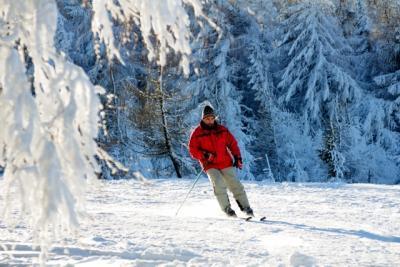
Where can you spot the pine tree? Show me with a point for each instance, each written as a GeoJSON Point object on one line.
{"type": "Point", "coordinates": [358, 29]}
{"type": "Point", "coordinates": [374, 138]}
{"type": "Point", "coordinates": [74, 36]}
{"type": "Point", "coordinates": [261, 83]}
{"type": "Point", "coordinates": [376, 144]}
{"type": "Point", "coordinates": [314, 81]}
{"type": "Point", "coordinates": [390, 83]}
{"type": "Point", "coordinates": [315, 73]}
{"type": "Point", "coordinates": [298, 160]}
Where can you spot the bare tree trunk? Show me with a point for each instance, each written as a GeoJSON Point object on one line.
{"type": "Point", "coordinates": [117, 106]}
{"type": "Point", "coordinates": [166, 133]}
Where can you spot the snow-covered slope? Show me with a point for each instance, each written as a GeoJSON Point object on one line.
{"type": "Point", "coordinates": [134, 224]}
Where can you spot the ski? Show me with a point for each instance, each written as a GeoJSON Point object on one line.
{"type": "Point", "coordinates": [261, 219]}
{"type": "Point", "coordinates": [252, 218]}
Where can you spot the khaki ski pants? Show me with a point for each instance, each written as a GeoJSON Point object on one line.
{"type": "Point", "coordinates": [221, 179]}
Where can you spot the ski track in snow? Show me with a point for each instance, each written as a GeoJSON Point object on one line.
{"type": "Point", "coordinates": [134, 224]}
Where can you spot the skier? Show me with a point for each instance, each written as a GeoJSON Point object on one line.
{"type": "Point", "coordinates": [214, 146]}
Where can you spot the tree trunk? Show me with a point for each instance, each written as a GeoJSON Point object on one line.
{"type": "Point", "coordinates": [167, 138]}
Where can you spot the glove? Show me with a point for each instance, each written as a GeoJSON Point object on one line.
{"type": "Point", "coordinates": [238, 162]}
{"type": "Point", "coordinates": [209, 157]}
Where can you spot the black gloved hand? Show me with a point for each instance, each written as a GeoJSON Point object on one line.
{"type": "Point", "coordinates": [209, 157]}
{"type": "Point", "coordinates": [238, 163]}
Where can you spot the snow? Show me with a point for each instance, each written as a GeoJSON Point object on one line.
{"type": "Point", "coordinates": [133, 224]}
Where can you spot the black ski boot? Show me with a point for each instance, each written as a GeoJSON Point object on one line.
{"type": "Point", "coordinates": [230, 212]}
{"type": "Point", "coordinates": [248, 211]}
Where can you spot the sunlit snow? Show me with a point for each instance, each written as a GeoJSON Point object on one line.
{"type": "Point", "coordinates": [134, 224]}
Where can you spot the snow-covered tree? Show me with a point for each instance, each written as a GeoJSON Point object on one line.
{"type": "Point", "coordinates": [375, 144]}
{"type": "Point", "coordinates": [297, 156]}
{"type": "Point", "coordinates": [73, 34]}
{"type": "Point", "coordinates": [314, 80]}
{"type": "Point", "coordinates": [357, 28]}
{"type": "Point", "coordinates": [375, 112]}
{"type": "Point", "coordinates": [228, 107]}
{"type": "Point", "coordinates": [315, 73]}
{"type": "Point", "coordinates": [261, 83]}
{"type": "Point", "coordinates": [391, 83]}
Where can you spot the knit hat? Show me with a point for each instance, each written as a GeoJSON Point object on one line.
{"type": "Point", "coordinates": [208, 111]}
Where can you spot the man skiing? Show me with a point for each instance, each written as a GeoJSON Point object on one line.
{"type": "Point", "coordinates": [214, 146]}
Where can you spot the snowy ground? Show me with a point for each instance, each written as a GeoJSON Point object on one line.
{"type": "Point", "coordinates": [307, 225]}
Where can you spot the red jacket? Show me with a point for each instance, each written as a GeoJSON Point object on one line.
{"type": "Point", "coordinates": [216, 140]}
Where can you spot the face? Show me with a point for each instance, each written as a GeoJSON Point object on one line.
{"type": "Point", "coordinates": [209, 120]}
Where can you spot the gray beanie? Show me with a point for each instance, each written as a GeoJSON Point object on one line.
{"type": "Point", "coordinates": [207, 111]}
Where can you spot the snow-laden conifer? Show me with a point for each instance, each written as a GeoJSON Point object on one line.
{"type": "Point", "coordinates": [260, 81]}
{"type": "Point", "coordinates": [391, 83]}
{"type": "Point", "coordinates": [315, 73]}
{"type": "Point", "coordinates": [315, 81]}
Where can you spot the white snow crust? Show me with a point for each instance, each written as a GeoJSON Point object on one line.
{"type": "Point", "coordinates": [133, 224]}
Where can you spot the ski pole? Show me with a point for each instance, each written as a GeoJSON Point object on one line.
{"type": "Point", "coordinates": [187, 195]}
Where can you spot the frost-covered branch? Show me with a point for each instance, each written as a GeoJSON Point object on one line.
{"type": "Point", "coordinates": [167, 20]}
